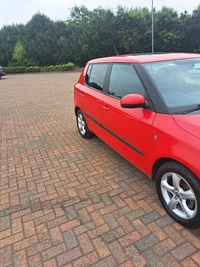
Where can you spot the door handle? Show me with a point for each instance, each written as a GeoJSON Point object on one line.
{"type": "Point", "coordinates": [106, 108]}
{"type": "Point", "coordinates": [82, 95]}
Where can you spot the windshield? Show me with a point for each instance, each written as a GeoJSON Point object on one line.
{"type": "Point", "coordinates": [178, 82]}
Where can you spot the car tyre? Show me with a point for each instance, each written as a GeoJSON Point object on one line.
{"type": "Point", "coordinates": [82, 125]}
{"type": "Point", "coordinates": [179, 192]}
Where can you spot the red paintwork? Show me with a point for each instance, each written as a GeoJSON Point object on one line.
{"type": "Point", "coordinates": [156, 135]}
{"type": "Point", "coordinates": [133, 99]}
{"type": "Point", "coordinates": [145, 58]}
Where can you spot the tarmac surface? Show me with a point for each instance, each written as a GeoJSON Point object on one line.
{"type": "Point", "coordinates": [67, 201]}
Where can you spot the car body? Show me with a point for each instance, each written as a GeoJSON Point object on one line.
{"type": "Point", "coordinates": [147, 108]}
{"type": "Point", "coordinates": [2, 72]}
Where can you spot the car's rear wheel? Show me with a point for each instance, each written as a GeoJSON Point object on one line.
{"type": "Point", "coordinates": [179, 192]}
{"type": "Point", "coordinates": [82, 125]}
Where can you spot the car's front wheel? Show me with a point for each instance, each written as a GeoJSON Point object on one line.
{"type": "Point", "coordinates": [82, 125]}
{"type": "Point", "coordinates": [179, 192]}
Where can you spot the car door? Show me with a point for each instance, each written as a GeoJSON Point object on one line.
{"type": "Point", "coordinates": [91, 95]}
{"type": "Point", "coordinates": [127, 129]}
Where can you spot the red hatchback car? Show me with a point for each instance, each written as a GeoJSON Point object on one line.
{"type": "Point", "coordinates": [147, 108]}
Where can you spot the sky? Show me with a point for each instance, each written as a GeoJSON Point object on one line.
{"type": "Point", "coordinates": [21, 11]}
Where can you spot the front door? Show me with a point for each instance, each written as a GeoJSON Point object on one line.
{"type": "Point", "coordinates": [127, 130]}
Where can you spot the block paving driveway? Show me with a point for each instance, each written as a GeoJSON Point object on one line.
{"type": "Point", "coordinates": [66, 201]}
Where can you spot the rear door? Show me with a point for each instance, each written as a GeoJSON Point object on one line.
{"type": "Point", "coordinates": [127, 130]}
{"type": "Point", "coordinates": [91, 95]}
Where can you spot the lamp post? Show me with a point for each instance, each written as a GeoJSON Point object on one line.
{"type": "Point", "coordinates": [152, 29]}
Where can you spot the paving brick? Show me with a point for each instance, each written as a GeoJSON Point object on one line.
{"type": "Point", "coordinates": [117, 252]}
{"type": "Point", "coordinates": [86, 260]}
{"type": "Point", "coordinates": [84, 228]}
{"type": "Point", "coordinates": [11, 239]}
{"type": "Point", "coordinates": [56, 235]}
{"type": "Point", "coordinates": [85, 243]}
{"type": "Point", "coordinates": [146, 242]}
{"type": "Point", "coordinates": [114, 234]}
{"type": "Point", "coordinates": [97, 218]}
{"type": "Point", "coordinates": [157, 231]}
{"type": "Point", "coordinates": [35, 261]}
{"type": "Point", "coordinates": [140, 227]}
{"type": "Point", "coordinates": [188, 263]}
{"type": "Point", "coordinates": [196, 258]}
{"type": "Point", "coordinates": [191, 238]}
{"type": "Point", "coordinates": [6, 256]}
{"type": "Point", "coordinates": [24, 243]}
{"type": "Point", "coordinates": [70, 225]}
{"type": "Point", "coordinates": [53, 252]}
{"type": "Point", "coordinates": [101, 247]}
{"type": "Point", "coordinates": [125, 224]}
{"type": "Point", "coordinates": [69, 256]}
{"type": "Point", "coordinates": [111, 221]}
{"type": "Point", "coordinates": [20, 259]}
{"type": "Point", "coordinates": [163, 247]}
{"type": "Point", "coordinates": [70, 239]}
{"type": "Point", "coordinates": [169, 260]}
{"type": "Point", "coordinates": [42, 232]}
{"type": "Point", "coordinates": [183, 251]}
{"type": "Point", "coordinates": [71, 213]}
{"type": "Point", "coordinates": [83, 215]}
{"type": "Point", "coordinates": [50, 263]}
{"type": "Point", "coordinates": [174, 235]}
{"type": "Point", "coordinates": [129, 239]}
{"type": "Point", "coordinates": [152, 259]}
{"type": "Point", "coordinates": [98, 231]}
{"type": "Point", "coordinates": [5, 223]}
{"type": "Point", "coordinates": [136, 258]}
{"type": "Point", "coordinates": [108, 262]}
{"type": "Point", "coordinates": [17, 226]}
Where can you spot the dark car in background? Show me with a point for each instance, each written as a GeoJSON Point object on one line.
{"type": "Point", "coordinates": [2, 72]}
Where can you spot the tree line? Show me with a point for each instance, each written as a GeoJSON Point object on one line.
{"type": "Point", "coordinates": [98, 33]}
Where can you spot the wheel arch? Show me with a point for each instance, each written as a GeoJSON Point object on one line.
{"type": "Point", "coordinates": [76, 109]}
{"type": "Point", "coordinates": [159, 162]}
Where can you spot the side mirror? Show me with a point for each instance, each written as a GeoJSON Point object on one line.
{"type": "Point", "coordinates": [133, 101]}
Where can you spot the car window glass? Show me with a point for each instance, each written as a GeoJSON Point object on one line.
{"type": "Point", "coordinates": [88, 74]}
{"type": "Point", "coordinates": [97, 76]}
{"type": "Point", "coordinates": [177, 81]}
{"type": "Point", "coordinates": [124, 81]}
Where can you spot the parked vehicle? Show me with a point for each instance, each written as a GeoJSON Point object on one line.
{"type": "Point", "coordinates": [2, 73]}
{"type": "Point", "coordinates": [147, 108]}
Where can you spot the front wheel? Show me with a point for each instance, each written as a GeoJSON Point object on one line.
{"type": "Point", "coordinates": [179, 192]}
{"type": "Point", "coordinates": [82, 125]}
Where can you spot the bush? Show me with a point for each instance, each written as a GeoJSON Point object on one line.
{"type": "Point", "coordinates": [68, 66]}
{"type": "Point", "coordinates": [49, 68]}
{"type": "Point", "coordinates": [19, 69]}
{"type": "Point", "coordinates": [32, 69]}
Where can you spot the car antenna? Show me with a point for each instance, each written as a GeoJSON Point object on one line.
{"type": "Point", "coordinates": [116, 50]}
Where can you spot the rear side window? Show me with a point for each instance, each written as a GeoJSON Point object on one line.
{"type": "Point", "coordinates": [124, 81]}
{"type": "Point", "coordinates": [95, 76]}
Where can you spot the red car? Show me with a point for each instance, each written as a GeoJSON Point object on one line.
{"type": "Point", "coordinates": [147, 108]}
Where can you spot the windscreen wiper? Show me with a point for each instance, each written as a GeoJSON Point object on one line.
{"type": "Point", "coordinates": [192, 109]}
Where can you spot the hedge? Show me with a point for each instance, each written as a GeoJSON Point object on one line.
{"type": "Point", "coordinates": [21, 69]}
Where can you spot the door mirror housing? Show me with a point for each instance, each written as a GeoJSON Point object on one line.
{"type": "Point", "coordinates": [133, 101]}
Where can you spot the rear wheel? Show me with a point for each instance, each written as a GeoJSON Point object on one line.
{"type": "Point", "coordinates": [179, 192]}
{"type": "Point", "coordinates": [82, 125]}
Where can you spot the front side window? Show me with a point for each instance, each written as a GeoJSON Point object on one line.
{"type": "Point", "coordinates": [96, 76]}
{"type": "Point", "coordinates": [124, 81]}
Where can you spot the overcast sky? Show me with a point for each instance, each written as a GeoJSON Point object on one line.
{"type": "Point", "coordinates": [21, 11]}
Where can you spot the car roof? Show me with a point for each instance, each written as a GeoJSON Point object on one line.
{"type": "Point", "coordinates": [145, 58]}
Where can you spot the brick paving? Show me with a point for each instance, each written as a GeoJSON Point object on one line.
{"type": "Point", "coordinates": [66, 201]}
